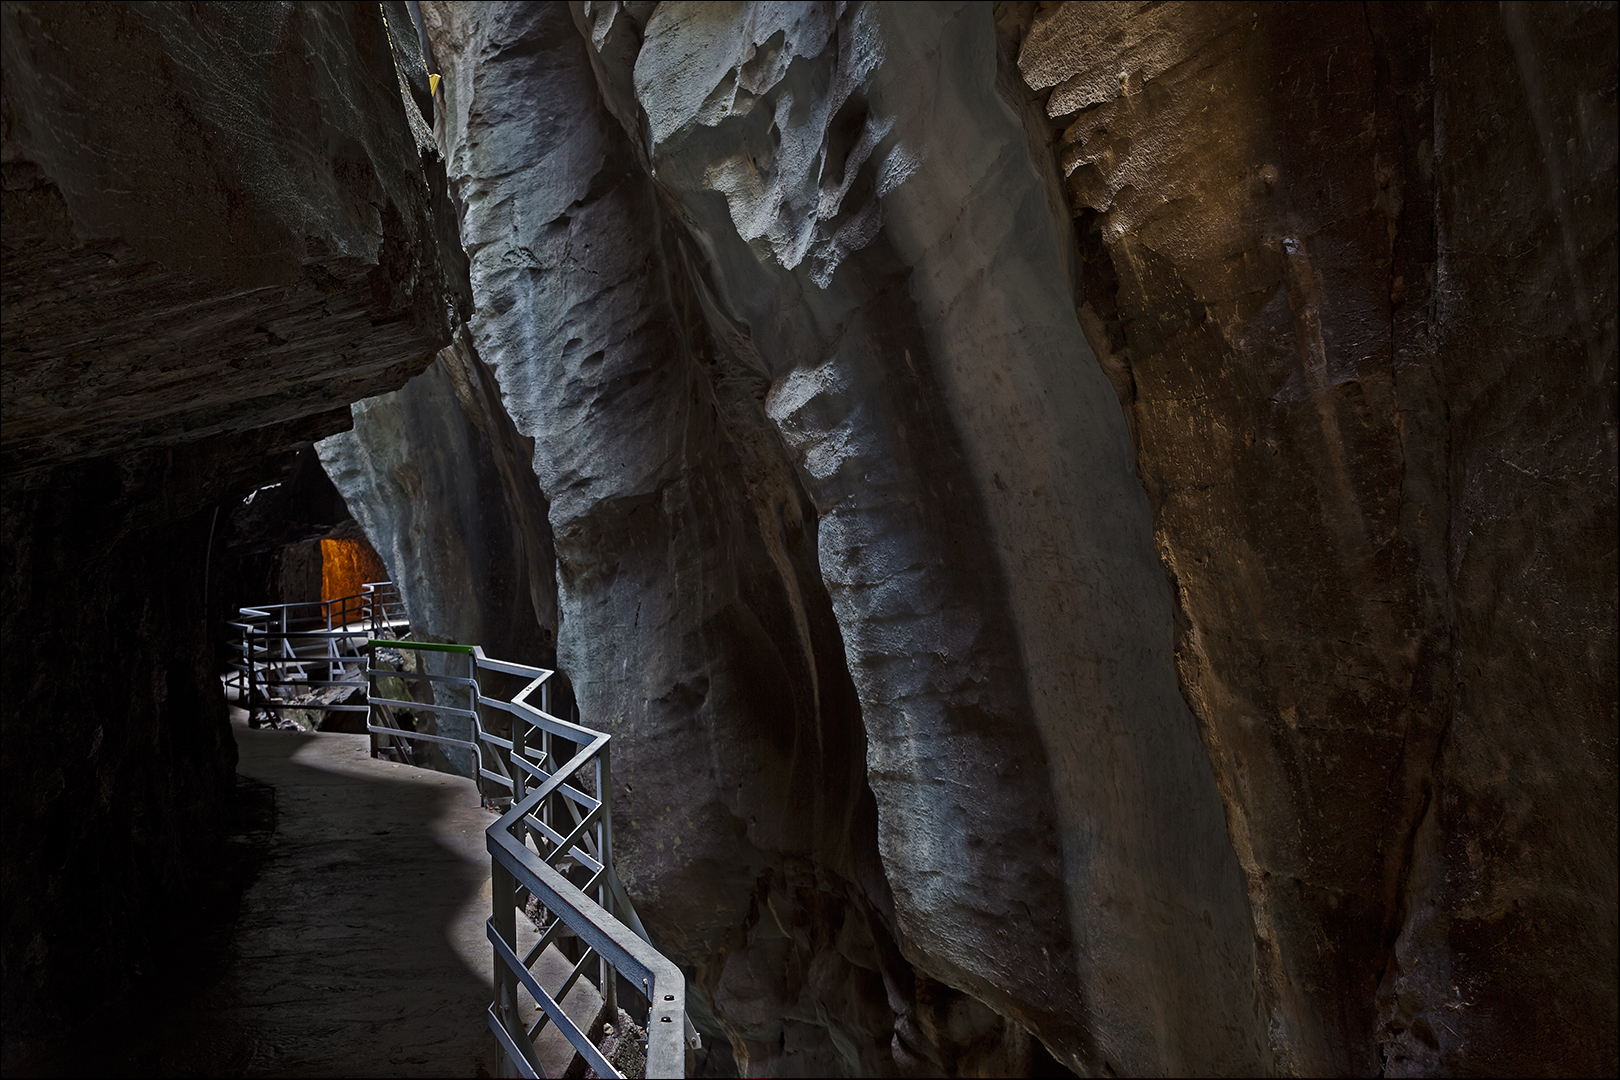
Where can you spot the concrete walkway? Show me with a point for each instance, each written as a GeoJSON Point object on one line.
{"type": "Point", "coordinates": [356, 949]}
{"type": "Point", "coordinates": [360, 948]}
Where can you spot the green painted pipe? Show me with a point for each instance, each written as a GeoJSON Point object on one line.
{"type": "Point", "coordinates": [425, 646]}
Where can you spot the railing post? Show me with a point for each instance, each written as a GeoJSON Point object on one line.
{"type": "Point", "coordinates": [545, 747]}
{"type": "Point", "coordinates": [472, 707]}
{"type": "Point", "coordinates": [332, 667]}
{"type": "Point", "coordinates": [609, 982]}
{"type": "Point", "coordinates": [247, 639]}
{"type": "Point", "coordinates": [371, 676]}
{"type": "Point", "coordinates": [520, 775]}
{"type": "Point", "coordinates": [503, 888]}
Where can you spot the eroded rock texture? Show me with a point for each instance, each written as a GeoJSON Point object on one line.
{"type": "Point", "coordinates": [1354, 273]}
{"type": "Point", "coordinates": [222, 223]}
{"type": "Point", "coordinates": [789, 496]}
{"type": "Point", "coordinates": [1094, 524]}
{"type": "Point", "coordinates": [441, 483]}
{"type": "Point", "coordinates": [1045, 813]}
{"type": "Point", "coordinates": [692, 617]}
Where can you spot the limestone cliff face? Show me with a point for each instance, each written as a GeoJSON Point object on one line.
{"type": "Point", "coordinates": [692, 619]}
{"type": "Point", "coordinates": [440, 481]}
{"type": "Point", "coordinates": [874, 234]}
{"type": "Point", "coordinates": [881, 620]}
{"type": "Point", "coordinates": [1094, 525]}
{"type": "Point", "coordinates": [222, 224]}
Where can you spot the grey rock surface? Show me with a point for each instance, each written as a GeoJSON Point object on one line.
{"type": "Point", "coordinates": [440, 482]}
{"type": "Point", "coordinates": [642, 336]}
{"type": "Point", "coordinates": [1093, 525]}
{"type": "Point", "coordinates": [1046, 814]}
{"type": "Point", "coordinates": [216, 218]}
{"type": "Point", "coordinates": [692, 620]}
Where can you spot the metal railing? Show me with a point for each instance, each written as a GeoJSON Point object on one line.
{"type": "Point", "coordinates": [394, 709]}
{"type": "Point", "coordinates": [285, 651]}
{"type": "Point", "coordinates": [553, 845]}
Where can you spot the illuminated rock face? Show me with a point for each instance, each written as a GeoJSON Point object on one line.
{"type": "Point", "coordinates": [1094, 525]}
{"type": "Point", "coordinates": [959, 705]}
{"type": "Point", "coordinates": [850, 552]}
{"type": "Point", "coordinates": [347, 564]}
{"type": "Point", "coordinates": [222, 224]}
{"type": "Point", "coordinates": [814, 297]}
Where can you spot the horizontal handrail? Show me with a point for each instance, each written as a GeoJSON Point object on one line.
{"type": "Point", "coordinates": [623, 946]}
{"type": "Point", "coordinates": [422, 646]}
{"type": "Point", "coordinates": [588, 841]}
{"type": "Point", "coordinates": [658, 977]}
{"type": "Point", "coordinates": [279, 646]}
{"type": "Point", "coordinates": [550, 828]}
{"type": "Point", "coordinates": [422, 676]}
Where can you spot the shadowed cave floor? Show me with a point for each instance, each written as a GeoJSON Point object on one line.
{"type": "Point", "coordinates": [343, 936]}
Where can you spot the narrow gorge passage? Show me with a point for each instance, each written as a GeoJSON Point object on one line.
{"type": "Point", "coordinates": [1092, 527]}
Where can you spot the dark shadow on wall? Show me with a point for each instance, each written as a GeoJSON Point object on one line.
{"type": "Point", "coordinates": [116, 755]}
{"type": "Point", "coordinates": [153, 1031]}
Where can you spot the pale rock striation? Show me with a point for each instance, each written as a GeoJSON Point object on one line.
{"type": "Point", "coordinates": [1046, 814]}
{"type": "Point", "coordinates": [692, 620]}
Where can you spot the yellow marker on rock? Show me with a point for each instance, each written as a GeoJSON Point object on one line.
{"type": "Point", "coordinates": [433, 83]}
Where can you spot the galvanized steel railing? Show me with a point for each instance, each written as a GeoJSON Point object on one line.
{"type": "Point", "coordinates": [288, 647]}
{"type": "Point", "coordinates": [394, 734]}
{"type": "Point", "coordinates": [553, 844]}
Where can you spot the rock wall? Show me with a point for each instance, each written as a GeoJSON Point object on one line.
{"type": "Point", "coordinates": [1094, 525]}
{"type": "Point", "coordinates": [242, 197]}
{"type": "Point", "coordinates": [1045, 810]}
{"type": "Point", "coordinates": [692, 619]}
{"type": "Point", "coordinates": [440, 482]}
{"type": "Point", "coordinates": [723, 524]}
{"type": "Point", "coordinates": [221, 224]}
{"type": "Point", "coordinates": [1354, 275]}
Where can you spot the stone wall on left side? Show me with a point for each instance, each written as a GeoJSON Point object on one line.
{"type": "Point", "coordinates": [221, 225]}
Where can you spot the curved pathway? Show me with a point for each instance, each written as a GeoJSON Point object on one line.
{"type": "Point", "coordinates": [360, 947]}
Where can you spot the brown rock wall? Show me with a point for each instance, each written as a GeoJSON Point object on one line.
{"type": "Point", "coordinates": [218, 217]}
{"type": "Point", "coordinates": [1343, 266]}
